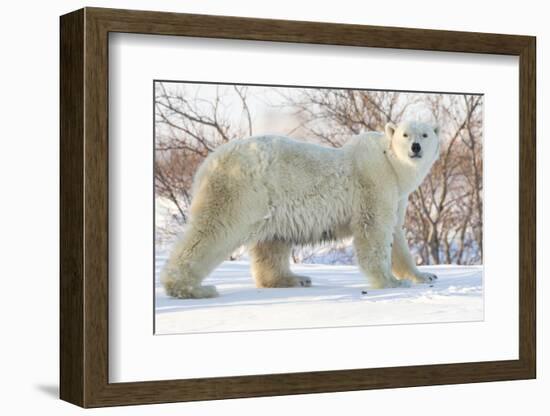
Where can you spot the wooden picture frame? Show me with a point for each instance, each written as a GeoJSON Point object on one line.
{"type": "Point", "coordinates": [84, 207]}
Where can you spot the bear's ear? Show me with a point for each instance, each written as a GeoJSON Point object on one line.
{"type": "Point", "coordinates": [436, 130]}
{"type": "Point", "coordinates": [390, 129]}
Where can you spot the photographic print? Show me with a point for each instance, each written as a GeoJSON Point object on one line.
{"type": "Point", "coordinates": [306, 192]}
{"type": "Point", "coordinates": [294, 207]}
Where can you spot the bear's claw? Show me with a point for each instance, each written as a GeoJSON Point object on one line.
{"type": "Point", "coordinates": [425, 278]}
{"type": "Point", "coordinates": [183, 291]}
{"type": "Point", "coordinates": [303, 281]}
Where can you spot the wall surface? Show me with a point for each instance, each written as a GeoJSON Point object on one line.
{"type": "Point", "coordinates": [29, 209]}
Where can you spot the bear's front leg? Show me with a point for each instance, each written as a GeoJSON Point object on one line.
{"type": "Point", "coordinates": [372, 244]}
{"type": "Point", "coordinates": [403, 265]}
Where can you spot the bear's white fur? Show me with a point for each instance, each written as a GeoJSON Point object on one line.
{"type": "Point", "coordinates": [272, 192]}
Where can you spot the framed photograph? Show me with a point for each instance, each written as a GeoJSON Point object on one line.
{"type": "Point", "coordinates": [255, 207]}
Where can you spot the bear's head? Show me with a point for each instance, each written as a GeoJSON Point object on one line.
{"type": "Point", "coordinates": [414, 143]}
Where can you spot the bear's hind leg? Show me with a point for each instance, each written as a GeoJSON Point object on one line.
{"type": "Point", "coordinates": [201, 249]}
{"type": "Point", "coordinates": [271, 268]}
{"type": "Point", "coordinates": [221, 220]}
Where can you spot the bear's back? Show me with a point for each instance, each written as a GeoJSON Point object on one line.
{"type": "Point", "coordinates": [271, 156]}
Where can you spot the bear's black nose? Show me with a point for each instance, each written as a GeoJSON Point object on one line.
{"type": "Point", "coordinates": [415, 147]}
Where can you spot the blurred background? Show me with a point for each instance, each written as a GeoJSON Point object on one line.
{"type": "Point", "coordinates": [444, 223]}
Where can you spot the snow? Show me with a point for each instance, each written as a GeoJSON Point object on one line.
{"type": "Point", "coordinates": [336, 299]}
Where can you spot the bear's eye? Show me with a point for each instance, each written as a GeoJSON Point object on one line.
{"type": "Point", "coordinates": [405, 135]}
{"type": "Point", "coordinates": [424, 135]}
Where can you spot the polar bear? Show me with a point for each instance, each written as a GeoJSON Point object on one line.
{"type": "Point", "coordinates": [273, 192]}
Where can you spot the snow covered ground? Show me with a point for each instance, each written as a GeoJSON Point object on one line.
{"type": "Point", "coordinates": [336, 299]}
